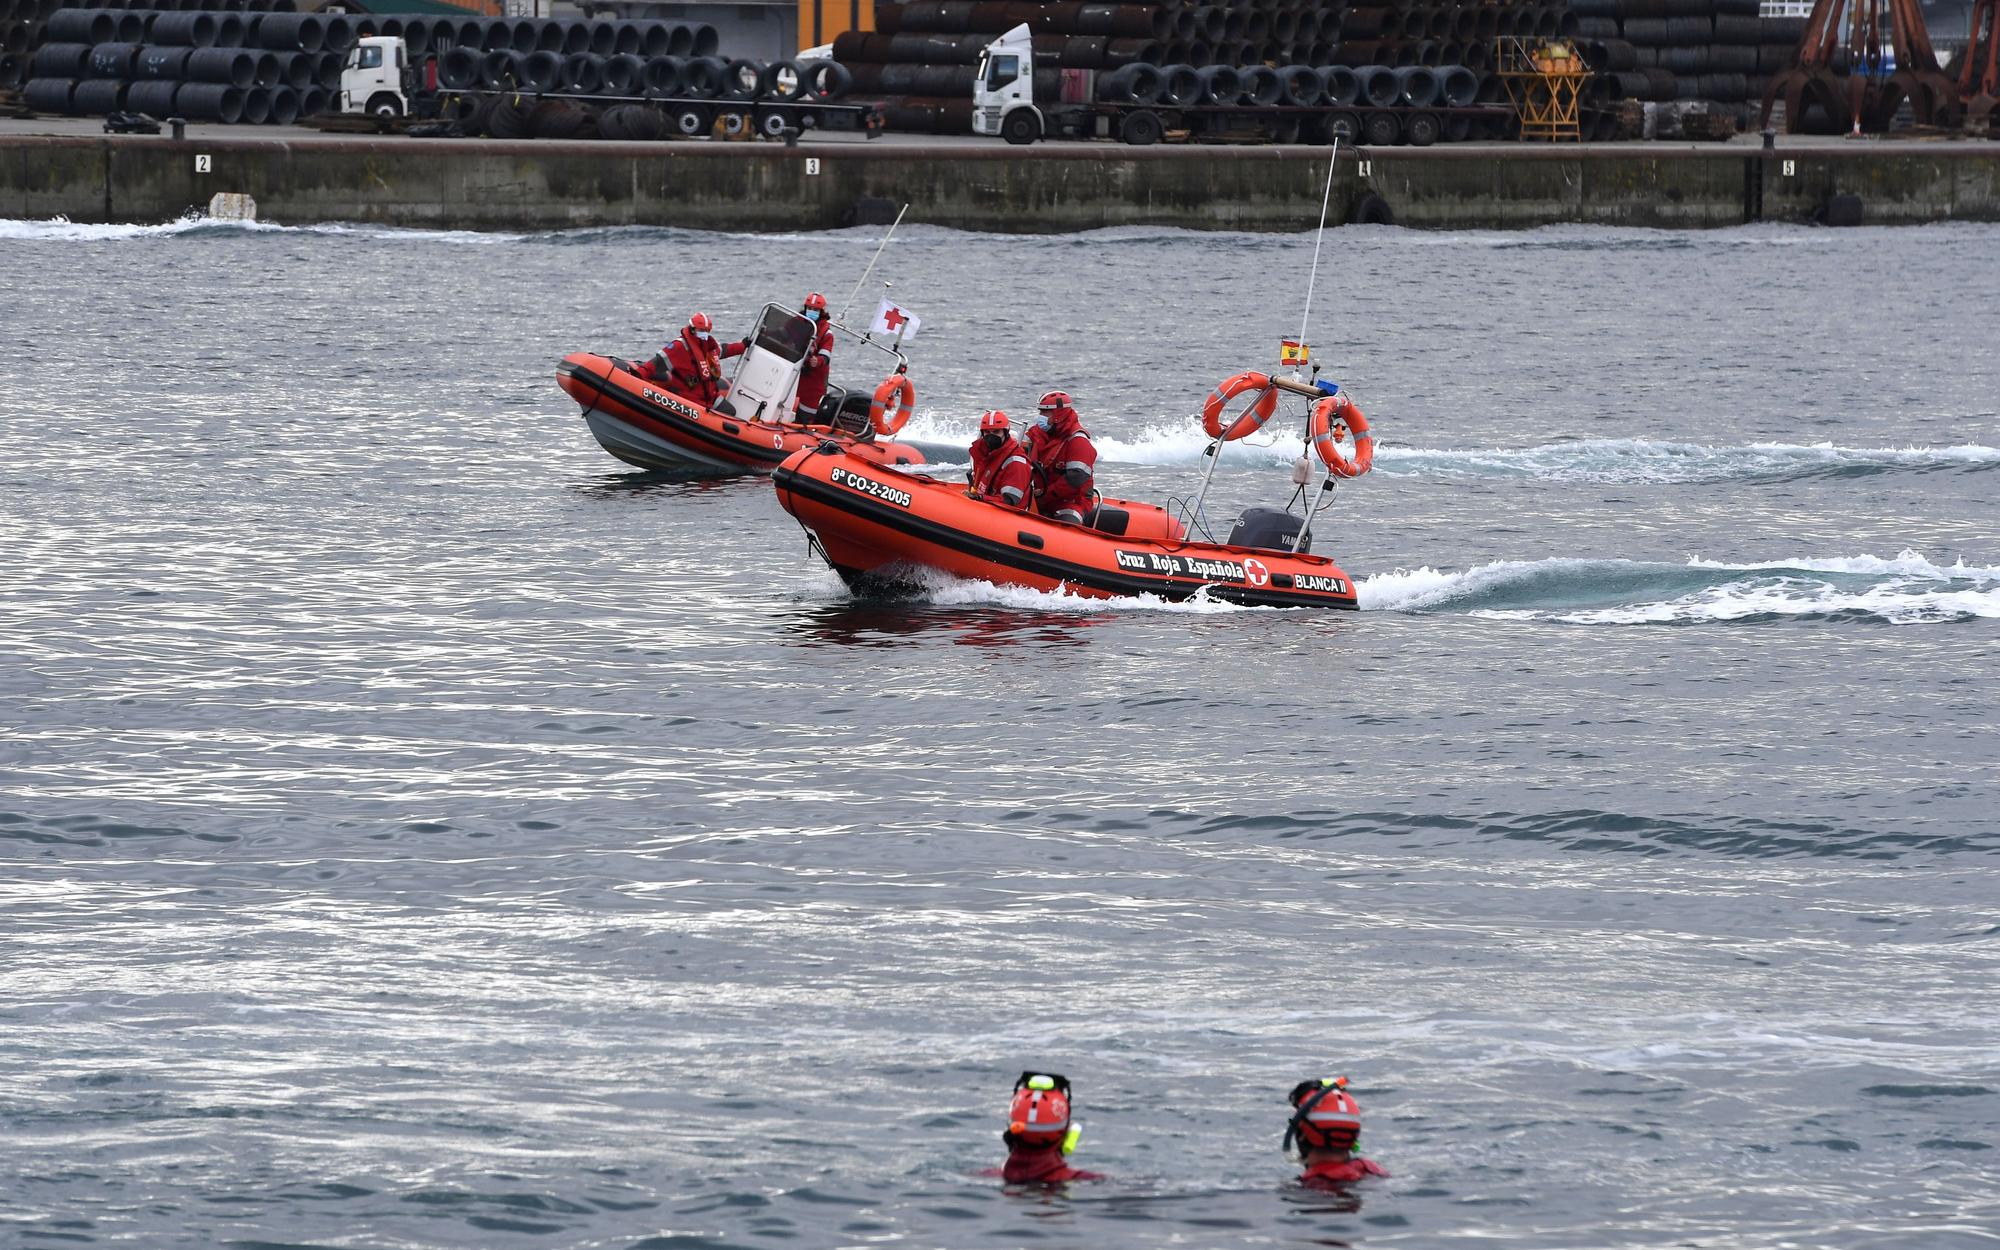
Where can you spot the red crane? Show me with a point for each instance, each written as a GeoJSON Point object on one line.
{"type": "Point", "coordinates": [1840, 71]}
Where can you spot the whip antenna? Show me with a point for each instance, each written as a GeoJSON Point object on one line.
{"type": "Point", "coordinates": [1331, 164]}
{"type": "Point", "coordinates": [842, 318]}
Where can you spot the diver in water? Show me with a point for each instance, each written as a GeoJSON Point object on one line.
{"type": "Point", "coordinates": [1040, 1133]}
{"type": "Point", "coordinates": [1326, 1125]}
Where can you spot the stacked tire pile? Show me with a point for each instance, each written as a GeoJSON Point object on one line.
{"type": "Point", "coordinates": [656, 60]}
{"type": "Point", "coordinates": [625, 96]}
{"type": "Point", "coordinates": [202, 64]}
{"type": "Point", "coordinates": [21, 23]}
{"type": "Point", "coordinates": [1717, 51]}
{"type": "Point", "coordinates": [1386, 54]}
{"type": "Point", "coordinates": [23, 26]}
{"type": "Point", "coordinates": [1354, 93]}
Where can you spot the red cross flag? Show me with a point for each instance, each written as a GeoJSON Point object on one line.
{"type": "Point", "coordinates": [894, 320]}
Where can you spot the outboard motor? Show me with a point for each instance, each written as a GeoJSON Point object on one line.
{"type": "Point", "coordinates": [1269, 529]}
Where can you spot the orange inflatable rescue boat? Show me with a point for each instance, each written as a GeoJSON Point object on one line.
{"type": "Point", "coordinates": [752, 427]}
{"type": "Point", "coordinates": [880, 525]}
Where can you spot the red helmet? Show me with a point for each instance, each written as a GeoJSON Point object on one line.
{"type": "Point", "coordinates": [1039, 1113]}
{"type": "Point", "coordinates": [815, 302]}
{"type": "Point", "coordinates": [1323, 1116]}
{"type": "Point", "coordinates": [995, 420]}
{"type": "Point", "coordinates": [1054, 401]}
{"type": "Point", "coordinates": [700, 324]}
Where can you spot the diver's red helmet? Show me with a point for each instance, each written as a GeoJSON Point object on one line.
{"type": "Point", "coordinates": [1039, 1113]}
{"type": "Point", "coordinates": [700, 324]}
{"type": "Point", "coordinates": [1054, 401]}
{"type": "Point", "coordinates": [1324, 1116]}
{"type": "Point", "coordinates": [815, 302]}
{"type": "Point", "coordinates": [993, 421]}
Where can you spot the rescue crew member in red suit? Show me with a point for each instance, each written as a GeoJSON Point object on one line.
{"type": "Point", "coordinates": [1040, 1134]}
{"type": "Point", "coordinates": [691, 365]}
{"type": "Point", "coordinates": [1065, 461]}
{"type": "Point", "coordinates": [1000, 469]}
{"type": "Point", "coordinates": [819, 358]}
{"type": "Point", "coordinates": [1326, 1125]}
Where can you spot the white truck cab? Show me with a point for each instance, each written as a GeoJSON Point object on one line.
{"type": "Point", "coordinates": [372, 80]}
{"type": "Point", "coordinates": [1003, 92]}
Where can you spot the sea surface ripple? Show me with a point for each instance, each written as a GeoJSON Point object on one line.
{"type": "Point", "coordinates": [420, 831]}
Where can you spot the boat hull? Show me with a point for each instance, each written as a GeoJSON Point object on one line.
{"type": "Point", "coordinates": [644, 426]}
{"type": "Point", "coordinates": [879, 524]}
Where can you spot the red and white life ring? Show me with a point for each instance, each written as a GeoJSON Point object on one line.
{"type": "Point", "coordinates": [1252, 418]}
{"type": "Point", "coordinates": [899, 393]}
{"type": "Point", "coordinates": [1331, 417]}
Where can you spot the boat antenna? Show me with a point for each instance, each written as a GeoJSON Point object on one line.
{"type": "Point", "coordinates": [863, 281]}
{"type": "Point", "coordinates": [1326, 200]}
{"type": "Point", "coordinates": [1326, 486]}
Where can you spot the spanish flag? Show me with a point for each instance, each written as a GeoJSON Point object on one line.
{"type": "Point", "coordinates": [1291, 352]}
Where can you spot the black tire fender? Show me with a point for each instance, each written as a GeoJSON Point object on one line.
{"type": "Point", "coordinates": [1371, 210]}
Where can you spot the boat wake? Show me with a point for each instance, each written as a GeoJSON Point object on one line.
{"type": "Point", "coordinates": [1639, 460]}
{"type": "Point", "coordinates": [941, 590]}
{"type": "Point", "coordinates": [63, 230]}
{"type": "Point", "coordinates": [1611, 461]}
{"type": "Point", "coordinates": [1906, 590]}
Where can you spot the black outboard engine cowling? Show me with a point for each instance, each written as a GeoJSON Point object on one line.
{"type": "Point", "coordinates": [1269, 529]}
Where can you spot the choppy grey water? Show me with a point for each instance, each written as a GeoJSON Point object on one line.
{"type": "Point", "coordinates": [419, 830]}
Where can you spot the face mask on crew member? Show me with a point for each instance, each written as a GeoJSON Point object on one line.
{"type": "Point", "coordinates": [992, 438]}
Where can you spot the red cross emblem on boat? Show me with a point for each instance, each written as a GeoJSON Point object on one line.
{"type": "Point", "coordinates": [894, 317]}
{"type": "Point", "coordinates": [1254, 570]}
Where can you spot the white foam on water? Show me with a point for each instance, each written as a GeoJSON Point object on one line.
{"type": "Point", "coordinates": [1406, 590]}
{"type": "Point", "coordinates": [1906, 563]}
{"type": "Point", "coordinates": [940, 589]}
{"type": "Point", "coordinates": [1160, 443]}
{"type": "Point", "coordinates": [1639, 460]}
{"type": "Point", "coordinates": [1907, 589]}
{"type": "Point", "coordinates": [63, 230]}
{"type": "Point", "coordinates": [1615, 461]}
{"type": "Point", "coordinates": [944, 591]}
{"type": "Point", "coordinates": [1790, 597]}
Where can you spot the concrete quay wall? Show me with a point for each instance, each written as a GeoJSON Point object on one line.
{"type": "Point", "coordinates": [538, 185]}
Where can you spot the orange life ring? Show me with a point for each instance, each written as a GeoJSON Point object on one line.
{"type": "Point", "coordinates": [896, 389]}
{"type": "Point", "coordinates": [1323, 431]}
{"type": "Point", "coordinates": [1251, 419]}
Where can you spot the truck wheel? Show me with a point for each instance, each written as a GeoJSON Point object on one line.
{"type": "Point", "coordinates": [1020, 126]}
{"type": "Point", "coordinates": [1422, 129]}
{"type": "Point", "coordinates": [1344, 126]}
{"type": "Point", "coordinates": [773, 123]}
{"type": "Point", "coordinates": [691, 121]}
{"type": "Point", "coordinates": [1380, 130]}
{"type": "Point", "coordinates": [1142, 128]}
{"type": "Point", "coordinates": [385, 106]}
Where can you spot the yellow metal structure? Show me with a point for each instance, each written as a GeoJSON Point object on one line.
{"type": "Point", "coordinates": [1544, 78]}
{"type": "Point", "coordinates": [821, 20]}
